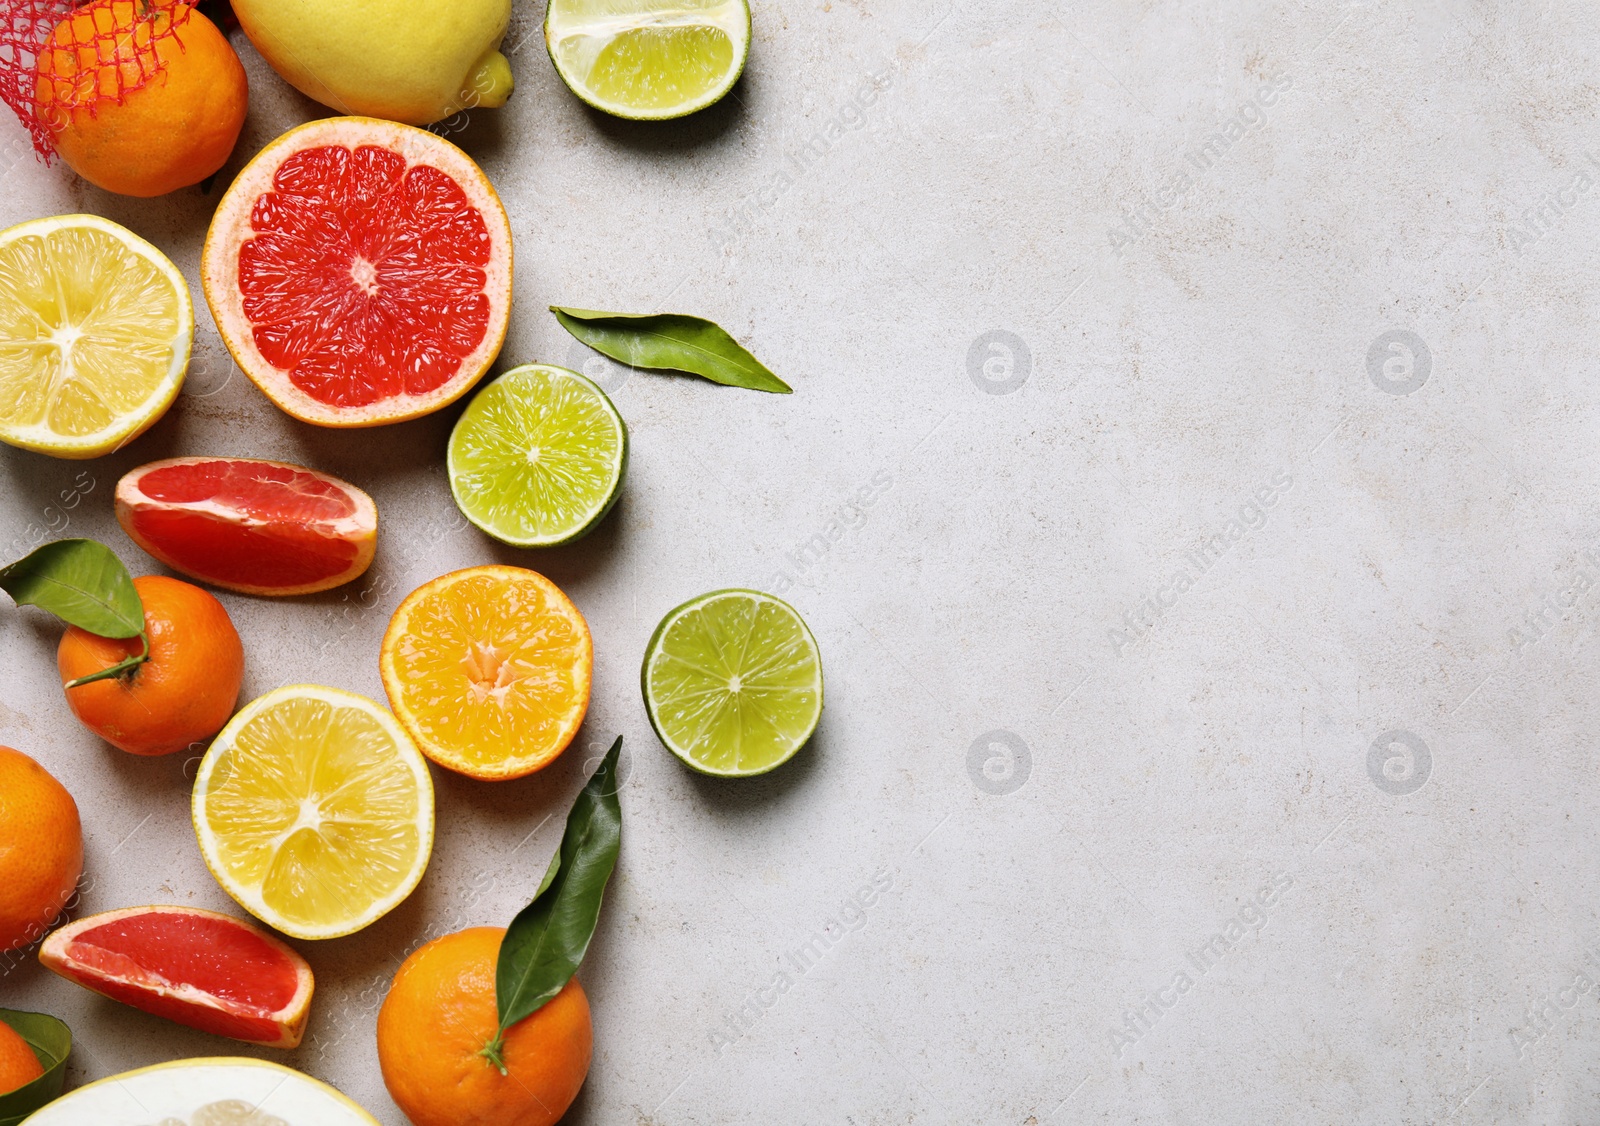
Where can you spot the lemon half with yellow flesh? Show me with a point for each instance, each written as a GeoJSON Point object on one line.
{"type": "Point", "coordinates": [314, 810]}
{"type": "Point", "coordinates": [96, 327]}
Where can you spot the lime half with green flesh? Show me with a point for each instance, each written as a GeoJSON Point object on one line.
{"type": "Point", "coordinates": [733, 682]}
{"type": "Point", "coordinates": [649, 60]}
{"type": "Point", "coordinates": [538, 456]}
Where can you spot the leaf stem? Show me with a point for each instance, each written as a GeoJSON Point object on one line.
{"type": "Point", "coordinates": [117, 669]}
{"type": "Point", "coordinates": [494, 1051]}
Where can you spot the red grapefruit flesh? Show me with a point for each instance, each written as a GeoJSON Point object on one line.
{"type": "Point", "coordinates": [197, 968]}
{"type": "Point", "coordinates": [360, 272]}
{"type": "Point", "coordinates": [259, 527]}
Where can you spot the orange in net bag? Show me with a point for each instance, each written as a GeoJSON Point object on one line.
{"type": "Point", "coordinates": [138, 96]}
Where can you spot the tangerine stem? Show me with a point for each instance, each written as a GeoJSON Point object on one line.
{"type": "Point", "coordinates": [117, 669]}
{"type": "Point", "coordinates": [494, 1051]}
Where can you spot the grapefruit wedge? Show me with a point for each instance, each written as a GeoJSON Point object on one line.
{"type": "Point", "coordinates": [359, 271]}
{"type": "Point", "coordinates": [258, 527]}
{"type": "Point", "coordinates": [198, 968]}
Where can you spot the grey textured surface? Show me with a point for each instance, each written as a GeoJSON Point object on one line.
{"type": "Point", "coordinates": [1087, 694]}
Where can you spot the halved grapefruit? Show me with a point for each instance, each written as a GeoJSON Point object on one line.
{"type": "Point", "coordinates": [198, 968]}
{"type": "Point", "coordinates": [360, 272]}
{"type": "Point", "coordinates": [205, 1092]}
{"type": "Point", "coordinates": [258, 527]}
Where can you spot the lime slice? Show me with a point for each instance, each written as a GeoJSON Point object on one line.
{"type": "Point", "coordinates": [733, 682]}
{"type": "Point", "coordinates": [649, 59]}
{"type": "Point", "coordinates": [538, 456]}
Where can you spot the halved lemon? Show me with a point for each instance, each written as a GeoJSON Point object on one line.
{"type": "Point", "coordinates": [95, 331]}
{"type": "Point", "coordinates": [489, 669]}
{"type": "Point", "coordinates": [314, 811]}
{"type": "Point", "coordinates": [649, 60]}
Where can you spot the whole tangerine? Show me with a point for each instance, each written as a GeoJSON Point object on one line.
{"type": "Point", "coordinates": [18, 1065]}
{"type": "Point", "coordinates": [142, 97]}
{"type": "Point", "coordinates": [41, 852]}
{"type": "Point", "coordinates": [439, 1016]}
{"type": "Point", "coordinates": [182, 695]}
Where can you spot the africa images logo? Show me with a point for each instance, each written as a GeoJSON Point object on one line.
{"type": "Point", "coordinates": [1250, 517]}
{"type": "Point", "coordinates": [999, 362]}
{"type": "Point", "coordinates": [1399, 362]}
{"type": "Point", "coordinates": [1138, 1020]}
{"type": "Point", "coordinates": [800, 960]}
{"type": "Point", "coordinates": [1138, 218]}
{"type": "Point", "coordinates": [999, 762]}
{"type": "Point", "coordinates": [849, 517]}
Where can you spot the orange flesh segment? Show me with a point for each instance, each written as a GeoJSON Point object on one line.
{"type": "Point", "coordinates": [493, 671]}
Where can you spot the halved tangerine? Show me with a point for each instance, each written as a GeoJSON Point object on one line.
{"type": "Point", "coordinates": [197, 968]}
{"type": "Point", "coordinates": [489, 669]}
{"type": "Point", "coordinates": [359, 271]}
{"type": "Point", "coordinates": [258, 527]}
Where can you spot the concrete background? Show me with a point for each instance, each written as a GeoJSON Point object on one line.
{"type": "Point", "coordinates": [1181, 516]}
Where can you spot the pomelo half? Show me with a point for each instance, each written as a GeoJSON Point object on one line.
{"type": "Point", "coordinates": [197, 968]}
{"type": "Point", "coordinates": [204, 1092]}
{"type": "Point", "coordinates": [259, 527]}
{"type": "Point", "coordinates": [359, 271]}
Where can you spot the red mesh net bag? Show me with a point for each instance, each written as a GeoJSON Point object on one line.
{"type": "Point", "coordinates": [108, 47]}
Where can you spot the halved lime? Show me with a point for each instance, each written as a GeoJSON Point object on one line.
{"type": "Point", "coordinates": [538, 456]}
{"type": "Point", "coordinates": [733, 682]}
{"type": "Point", "coordinates": [649, 60]}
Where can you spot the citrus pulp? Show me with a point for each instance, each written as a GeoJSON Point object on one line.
{"type": "Point", "coordinates": [314, 811]}
{"type": "Point", "coordinates": [95, 330]}
{"type": "Point", "coordinates": [259, 527]}
{"type": "Point", "coordinates": [537, 457]}
{"type": "Point", "coordinates": [489, 669]}
{"type": "Point", "coordinates": [733, 682]}
{"type": "Point", "coordinates": [359, 272]}
{"type": "Point", "coordinates": [218, 1091]}
{"type": "Point", "coordinates": [198, 968]}
{"type": "Point", "coordinates": [649, 59]}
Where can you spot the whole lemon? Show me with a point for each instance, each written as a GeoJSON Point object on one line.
{"type": "Point", "coordinates": [415, 61]}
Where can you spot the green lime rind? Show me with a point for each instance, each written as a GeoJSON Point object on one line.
{"type": "Point", "coordinates": [732, 683]}
{"type": "Point", "coordinates": [538, 457]}
{"type": "Point", "coordinates": [622, 56]}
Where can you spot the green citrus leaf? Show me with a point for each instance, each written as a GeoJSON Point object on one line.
{"type": "Point", "coordinates": [671, 342]}
{"type": "Point", "coordinates": [549, 937]}
{"type": "Point", "coordinates": [550, 874]}
{"type": "Point", "coordinates": [51, 1041]}
{"type": "Point", "coordinates": [81, 582]}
